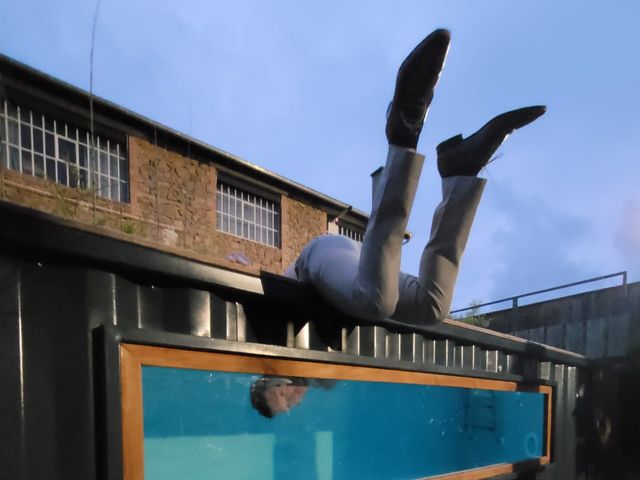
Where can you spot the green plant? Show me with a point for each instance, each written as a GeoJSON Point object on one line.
{"type": "Point", "coordinates": [63, 204]}
{"type": "Point", "coordinates": [473, 315]}
{"type": "Point", "coordinates": [128, 226]}
{"type": "Point", "coordinates": [1, 175]}
{"type": "Point", "coordinates": [68, 199]}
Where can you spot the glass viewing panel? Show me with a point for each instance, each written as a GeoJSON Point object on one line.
{"type": "Point", "coordinates": [203, 424]}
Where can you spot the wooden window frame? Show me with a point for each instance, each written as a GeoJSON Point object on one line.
{"type": "Point", "coordinates": [133, 357]}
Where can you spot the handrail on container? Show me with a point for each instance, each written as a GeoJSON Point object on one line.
{"type": "Point", "coordinates": [514, 299]}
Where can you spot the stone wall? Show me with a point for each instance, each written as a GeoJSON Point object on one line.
{"type": "Point", "coordinates": [178, 195]}
{"type": "Point", "coordinates": [79, 205]}
{"type": "Point", "coordinates": [600, 323]}
{"type": "Point", "coordinates": [175, 195]}
{"type": "Point", "coordinates": [300, 224]}
{"type": "Point", "coordinates": [173, 208]}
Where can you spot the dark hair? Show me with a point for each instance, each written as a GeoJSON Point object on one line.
{"type": "Point", "coordinates": [258, 399]}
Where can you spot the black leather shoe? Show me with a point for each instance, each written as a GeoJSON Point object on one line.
{"type": "Point", "coordinates": [416, 80]}
{"type": "Point", "coordinates": [466, 157]}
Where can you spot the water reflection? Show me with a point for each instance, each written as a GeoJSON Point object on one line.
{"type": "Point", "coordinates": [200, 424]}
{"type": "Point", "coordinates": [271, 396]}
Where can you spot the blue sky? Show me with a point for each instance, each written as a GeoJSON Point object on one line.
{"type": "Point", "coordinates": [301, 88]}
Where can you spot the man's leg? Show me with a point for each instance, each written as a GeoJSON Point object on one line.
{"type": "Point", "coordinates": [426, 299]}
{"type": "Point", "coordinates": [379, 263]}
{"type": "Point", "coordinates": [365, 283]}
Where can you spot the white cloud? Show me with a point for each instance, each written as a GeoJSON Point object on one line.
{"type": "Point", "coordinates": [626, 236]}
{"type": "Point", "coordinates": [533, 247]}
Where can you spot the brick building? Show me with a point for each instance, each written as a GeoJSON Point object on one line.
{"type": "Point", "coordinates": [106, 169]}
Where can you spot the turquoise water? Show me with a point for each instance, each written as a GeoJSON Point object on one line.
{"type": "Point", "coordinates": [201, 425]}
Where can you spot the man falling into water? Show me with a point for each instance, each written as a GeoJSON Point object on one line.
{"type": "Point", "coordinates": [366, 282]}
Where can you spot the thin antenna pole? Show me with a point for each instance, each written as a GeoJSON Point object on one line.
{"type": "Point", "coordinates": [93, 43]}
{"type": "Point", "coordinates": [93, 153]}
{"type": "Point", "coordinates": [156, 183]}
{"type": "Point", "coordinates": [186, 224]}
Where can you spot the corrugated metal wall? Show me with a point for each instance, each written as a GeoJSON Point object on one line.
{"type": "Point", "coordinates": [600, 323]}
{"type": "Point", "coordinates": [48, 401]}
{"type": "Point", "coordinates": [595, 338]}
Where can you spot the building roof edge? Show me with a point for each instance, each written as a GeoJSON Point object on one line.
{"type": "Point", "coordinates": [16, 68]}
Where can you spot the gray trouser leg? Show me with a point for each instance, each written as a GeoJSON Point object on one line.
{"type": "Point", "coordinates": [364, 282]}
{"type": "Point", "coordinates": [426, 299]}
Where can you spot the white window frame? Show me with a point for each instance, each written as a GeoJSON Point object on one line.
{"type": "Point", "coordinates": [353, 233]}
{"type": "Point", "coordinates": [107, 181]}
{"type": "Point", "coordinates": [247, 215]}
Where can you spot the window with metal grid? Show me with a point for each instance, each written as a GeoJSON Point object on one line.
{"type": "Point", "coordinates": [247, 215]}
{"type": "Point", "coordinates": [354, 234]}
{"type": "Point", "coordinates": [38, 145]}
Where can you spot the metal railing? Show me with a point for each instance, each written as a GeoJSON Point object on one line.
{"type": "Point", "coordinates": [514, 300]}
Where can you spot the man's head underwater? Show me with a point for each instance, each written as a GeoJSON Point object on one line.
{"type": "Point", "coordinates": [271, 396]}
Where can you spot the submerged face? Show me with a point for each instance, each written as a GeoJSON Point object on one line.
{"type": "Point", "coordinates": [282, 398]}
